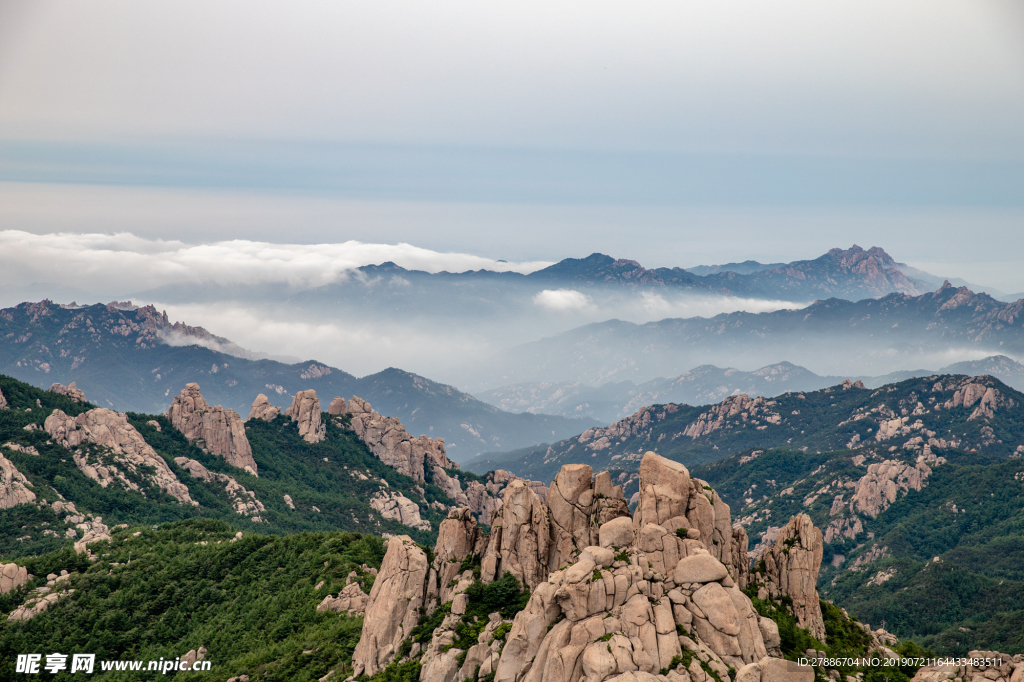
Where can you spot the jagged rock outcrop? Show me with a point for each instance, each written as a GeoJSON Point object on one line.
{"type": "Point", "coordinates": [991, 666]}
{"type": "Point", "coordinates": [520, 538]}
{"type": "Point", "coordinates": [42, 598]}
{"type": "Point", "coordinates": [71, 391]}
{"type": "Point", "coordinates": [3, 401]}
{"type": "Point", "coordinates": [388, 440]}
{"type": "Point", "coordinates": [613, 611]}
{"type": "Point", "coordinates": [485, 498]}
{"type": "Point", "coordinates": [395, 506]}
{"type": "Point", "coordinates": [262, 409]}
{"type": "Point", "coordinates": [791, 570]}
{"type": "Point", "coordinates": [12, 576]}
{"type": "Point", "coordinates": [121, 447]}
{"type": "Point", "coordinates": [243, 501]}
{"type": "Point", "coordinates": [337, 407]}
{"type": "Point", "coordinates": [884, 481]}
{"type": "Point", "coordinates": [218, 431]}
{"type": "Point", "coordinates": [457, 538]}
{"type": "Point", "coordinates": [394, 605]}
{"type": "Point", "coordinates": [740, 407]}
{"type": "Point", "coordinates": [14, 487]}
{"type": "Point", "coordinates": [305, 411]}
{"type": "Point", "coordinates": [351, 600]}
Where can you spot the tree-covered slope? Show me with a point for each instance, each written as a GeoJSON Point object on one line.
{"type": "Point", "coordinates": [941, 562]}
{"type": "Point", "coordinates": [329, 483]}
{"type": "Point", "coordinates": [158, 593]}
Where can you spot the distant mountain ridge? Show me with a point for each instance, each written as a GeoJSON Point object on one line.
{"type": "Point", "coordinates": [117, 354]}
{"type": "Point", "coordinates": [848, 337]}
{"type": "Point", "coordinates": [709, 384]}
{"type": "Point", "coordinates": [939, 411]}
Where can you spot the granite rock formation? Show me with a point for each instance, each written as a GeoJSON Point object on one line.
{"type": "Point", "coordinates": [394, 605]}
{"type": "Point", "coordinates": [262, 409]}
{"type": "Point", "coordinates": [337, 407]}
{"type": "Point", "coordinates": [992, 666]}
{"type": "Point", "coordinates": [12, 576]}
{"type": "Point", "coordinates": [243, 501]}
{"type": "Point", "coordinates": [218, 431]}
{"type": "Point", "coordinates": [622, 608]}
{"type": "Point", "coordinates": [791, 570]}
{"type": "Point", "coordinates": [388, 440]}
{"type": "Point", "coordinates": [351, 600]}
{"type": "Point", "coordinates": [71, 391]}
{"type": "Point", "coordinates": [305, 411]}
{"type": "Point", "coordinates": [14, 487]}
{"type": "Point", "coordinates": [3, 401]}
{"type": "Point", "coordinates": [395, 506]}
{"type": "Point", "coordinates": [120, 447]}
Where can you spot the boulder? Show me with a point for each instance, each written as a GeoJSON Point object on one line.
{"type": "Point", "coordinates": [396, 507]}
{"type": "Point", "coordinates": [219, 431]}
{"type": "Point", "coordinates": [121, 448]}
{"type": "Point", "coordinates": [14, 487]}
{"type": "Point", "coordinates": [71, 391]}
{"type": "Point", "coordinates": [394, 605]}
{"type": "Point", "coordinates": [617, 532]}
{"type": "Point", "coordinates": [305, 411]}
{"type": "Point", "coordinates": [262, 409]}
{"type": "Point", "coordinates": [664, 491]}
{"type": "Point", "coordinates": [12, 576]}
{"type": "Point", "coordinates": [699, 568]}
{"type": "Point", "coordinates": [337, 407]}
{"type": "Point", "coordinates": [351, 600]}
{"type": "Point", "coordinates": [792, 566]}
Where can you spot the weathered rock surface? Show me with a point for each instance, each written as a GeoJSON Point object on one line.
{"type": "Point", "coordinates": [350, 600]}
{"type": "Point", "coordinates": [14, 487]}
{"type": "Point", "coordinates": [3, 401]}
{"type": "Point", "coordinates": [337, 407]}
{"type": "Point", "coordinates": [305, 411]}
{"type": "Point", "coordinates": [42, 598]}
{"type": "Point", "coordinates": [613, 611]}
{"type": "Point", "coordinates": [71, 391]}
{"type": "Point", "coordinates": [884, 481]}
{"type": "Point", "coordinates": [262, 409]}
{"type": "Point", "coordinates": [792, 566]}
{"type": "Point", "coordinates": [395, 506]}
{"type": "Point", "coordinates": [388, 440]}
{"type": "Point", "coordinates": [12, 576]}
{"type": "Point", "coordinates": [520, 538]}
{"type": "Point", "coordinates": [121, 447]}
{"type": "Point", "coordinates": [243, 501]}
{"type": "Point", "coordinates": [992, 667]}
{"type": "Point", "coordinates": [394, 605]}
{"type": "Point", "coordinates": [218, 431]}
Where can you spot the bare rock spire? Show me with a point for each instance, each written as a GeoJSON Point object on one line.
{"type": "Point", "coordinates": [221, 432]}
{"type": "Point", "coordinates": [305, 410]}
{"type": "Point", "coordinates": [792, 566]}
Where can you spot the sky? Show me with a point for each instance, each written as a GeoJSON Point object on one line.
{"type": "Point", "coordinates": [673, 133]}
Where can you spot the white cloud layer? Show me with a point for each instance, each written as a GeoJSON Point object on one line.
{"type": "Point", "coordinates": [124, 262]}
{"type": "Point", "coordinates": [560, 300]}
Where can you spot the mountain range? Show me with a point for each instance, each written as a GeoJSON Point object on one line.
{"type": "Point", "coordinates": [849, 337]}
{"type": "Point", "coordinates": [121, 356]}
{"type": "Point", "coordinates": [709, 384]}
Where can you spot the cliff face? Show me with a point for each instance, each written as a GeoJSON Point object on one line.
{"type": "Point", "coordinates": [219, 431]}
{"type": "Point", "coordinates": [612, 596]}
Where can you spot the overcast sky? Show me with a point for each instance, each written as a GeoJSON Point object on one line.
{"type": "Point", "coordinates": [676, 133]}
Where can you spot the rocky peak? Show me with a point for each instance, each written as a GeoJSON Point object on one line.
{"type": "Point", "coordinates": [121, 449]}
{"type": "Point", "coordinates": [623, 608]}
{"type": "Point", "coordinates": [262, 409]}
{"type": "Point", "coordinates": [305, 411]}
{"type": "Point", "coordinates": [218, 431]}
{"type": "Point", "coordinates": [14, 487]}
{"type": "Point", "coordinates": [389, 441]}
{"type": "Point", "coordinates": [791, 570]}
{"type": "Point", "coordinates": [71, 391]}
